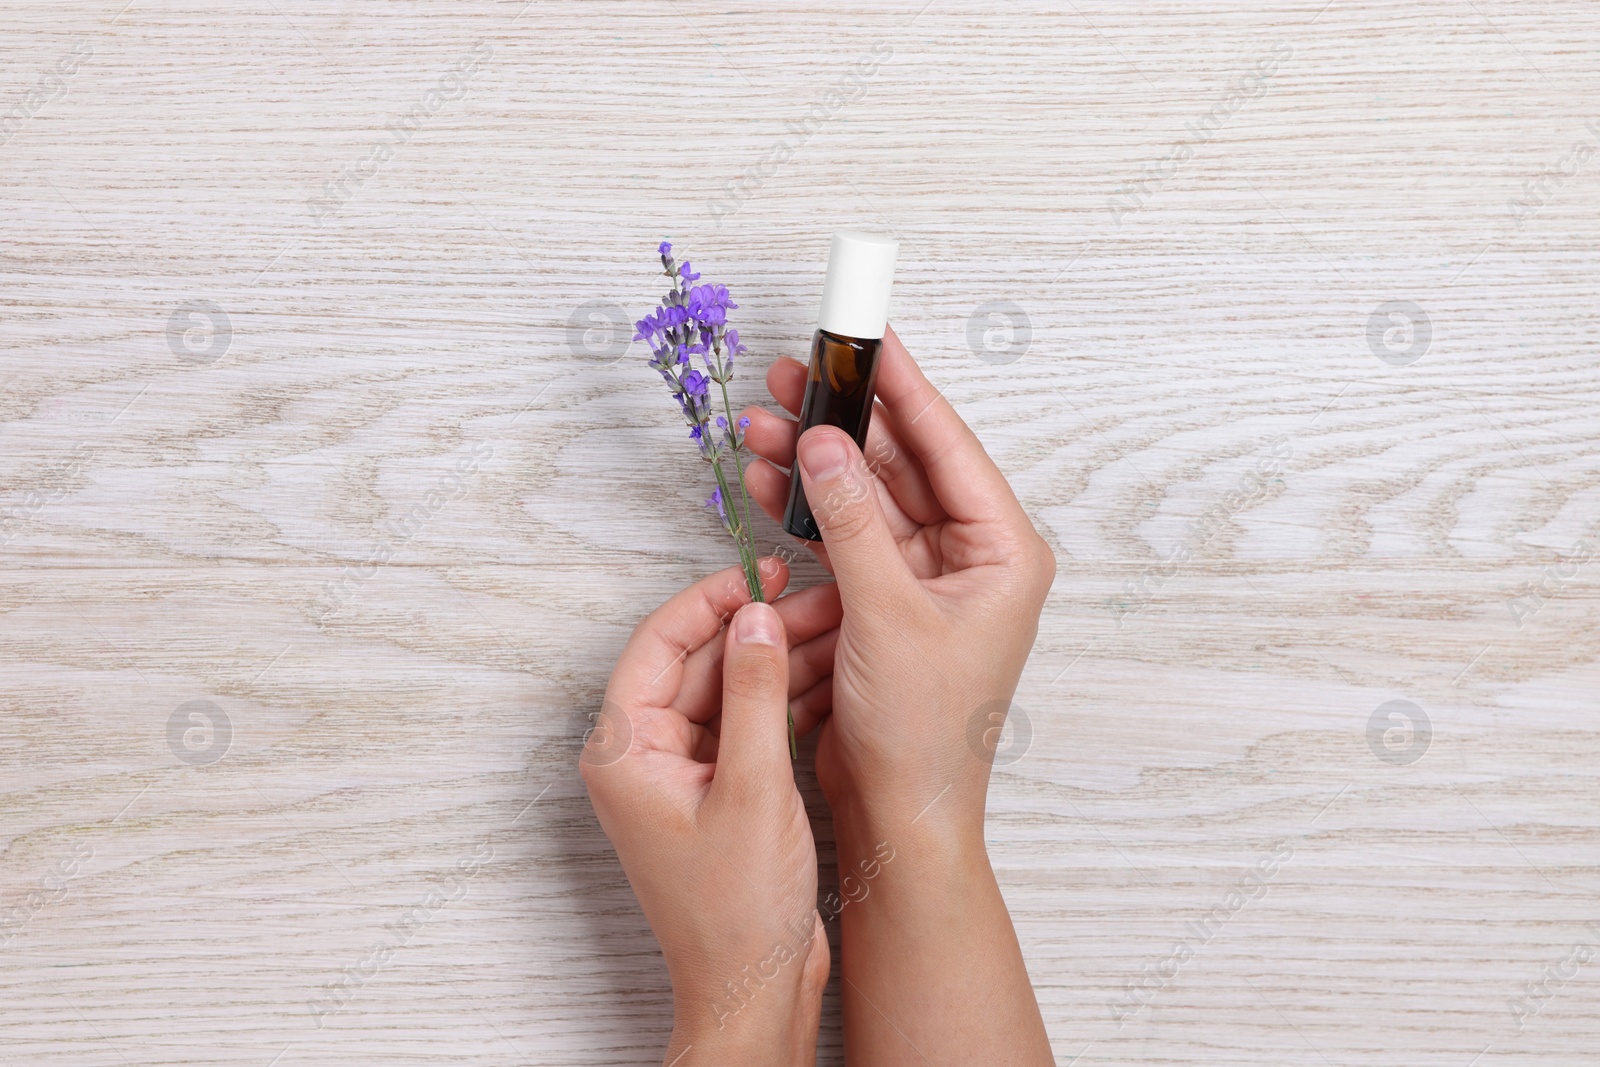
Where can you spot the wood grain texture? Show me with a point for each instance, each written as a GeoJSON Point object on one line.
{"type": "Point", "coordinates": [198, 515]}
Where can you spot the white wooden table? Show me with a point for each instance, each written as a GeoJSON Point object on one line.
{"type": "Point", "coordinates": [334, 439]}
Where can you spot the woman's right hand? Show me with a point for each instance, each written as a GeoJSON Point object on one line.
{"type": "Point", "coordinates": [942, 577]}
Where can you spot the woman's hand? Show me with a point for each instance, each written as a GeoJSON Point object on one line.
{"type": "Point", "coordinates": [688, 770]}
{"type": "Point", "coordinates": [942, 577]}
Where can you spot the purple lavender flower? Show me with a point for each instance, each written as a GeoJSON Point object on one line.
{"type": "Point", "coordinates": [692, 320]}
{"type": "Point", "coordinates": [714, 501]}
{"type": "Point", "coordinates": [702, 440]}
{"type": "Point", "coordinates": [709, 304]}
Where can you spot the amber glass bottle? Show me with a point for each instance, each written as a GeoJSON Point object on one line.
{"type": "Point", "coordinates": [844, 353]}
{"type": "Point", "coordinates": [839, 391]}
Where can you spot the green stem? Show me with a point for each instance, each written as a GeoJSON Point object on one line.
{"type": "Point", "coordinates": [744, 535]}
{"type": "Point", "coordinates": [738, 463]}
{"type": "Point", "coordinates": [752, 575]}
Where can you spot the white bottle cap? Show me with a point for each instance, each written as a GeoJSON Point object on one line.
{"type": "Point", "coordinates": [855, 294]}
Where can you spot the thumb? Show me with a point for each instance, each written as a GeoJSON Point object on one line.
{"type": "Point", "coordinates": [843, 497]}
{"type": "Point", "coordinates": [754, 744]}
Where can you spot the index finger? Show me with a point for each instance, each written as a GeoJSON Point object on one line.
{"type": "Point", "coordinates": [650, 670]}
{"type": "Point", "coordinates": [968, 484]}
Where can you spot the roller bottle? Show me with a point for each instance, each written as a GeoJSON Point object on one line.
{"type": "Point", "coordinates": [842, 376]}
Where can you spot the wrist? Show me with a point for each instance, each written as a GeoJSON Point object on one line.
{"type": "Point", "coordinates": [765, 1014]}
{"type": "Point", "coordinates": [775, 1027]}
{"type": "Point", "coordinates": [905, 864]}
{"type": "Point", "coordinates": [944, 823]}
{"type": "Point", "coordinates": [939, 790]}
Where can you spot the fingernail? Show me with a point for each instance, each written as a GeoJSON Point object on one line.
{"type": "Point", "coordinates": [824, 456]}
{"type": "Point", "coordinates": [757, 624]}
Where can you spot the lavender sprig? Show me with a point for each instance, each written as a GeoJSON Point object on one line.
{"type": "Point", "coordinates": [692, 321]}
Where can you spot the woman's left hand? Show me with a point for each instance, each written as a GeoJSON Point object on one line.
{"type": "Point", "coordinates": [688, 770]}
